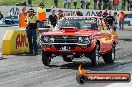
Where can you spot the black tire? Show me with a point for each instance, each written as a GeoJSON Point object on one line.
{"type": "Point", "coordinates": [110, 56]}
{"type": "Point", "coordinates": [67, 59]}
{"type": "Point", "coordinates": [95, 55]}
{"type": "Point", "coordinates": [46, 58]}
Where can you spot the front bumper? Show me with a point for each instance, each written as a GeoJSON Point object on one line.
{"type": "Point", "coordinates": [63, 44]}
{"type": "Point", "coordinates": [68, 47]}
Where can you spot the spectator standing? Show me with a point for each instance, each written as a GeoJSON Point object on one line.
{"type": "Point", "coordinates": [100, 4]}
{"type": "Point", "coordinates": [75, 4]}
{"type": "Point", "coordinates": [53, 18]}
{"type": "Point", "coordinates": [130, 9]}
{"type": "Point", "coordinates": [105, 13]}
{"type": "Point", "coordinates": [30, 3]}
{"type": "Point", "coordinates": [56, 3]}
{"type": "Point", "coordinates": [115, 4]}
{"type": "Point", "coordinates": [87, 3]}
{"type": "Point", "coordinates": [121, 19]}
{"type": "Point", "coordinates": [124, 4]}
{"type": "Point", "coordinates": [1, 16]}
{"type": "Point", "coordinates": [110, 20]}
{"type": "Point", "coordinates": [116, 21]}
{"type": "Point", "coordinates": [110, 5]}
{"type": "Point", "coordinates": [22, 17]}
{"type": "Point", "coordinates": [95, 4]}
{"type": "Point", "coordinates": [65, 3]}
{"type": "Point", "coordinates": [32, 20]}
{"type": "Point", "coordinates": [69, 3]}
{"type": "Point", "coordinates": [129, 4]}
{"type": "Point", "coordinates": [128, 1]}
{"type": "Point", "coordinates": [41, 11]}
{"type": "Point", "coordinates": [60, 14]}
{"type": "Point", "coordinates": [105, 4]}
{"type": "Point", "coordinates": [82, 4]}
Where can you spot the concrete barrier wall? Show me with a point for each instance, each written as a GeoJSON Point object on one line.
{"type": "Point", "coordinates": [3, 31]}
{"type": "Point", "coordinates": [15, 42]}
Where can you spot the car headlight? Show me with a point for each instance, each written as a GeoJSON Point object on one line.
{"type": "Point", "coordinates": [51, 40]}
{"type": "Point", "coordinates": [45, 39]}
{"type": "Point", "coordinates": [80, 39]}
{"type": "Point", "coordinates": [87, 40]}
{"type": "Point", "coordinates": [84, 39]}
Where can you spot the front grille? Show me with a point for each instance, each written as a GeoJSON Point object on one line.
{"type": "Point", "coordinates": [66, 39]}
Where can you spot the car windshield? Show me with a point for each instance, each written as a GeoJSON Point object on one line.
{"type": "Point", "coordinates": [80, 23]}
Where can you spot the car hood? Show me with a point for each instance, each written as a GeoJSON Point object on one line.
{"type": "Point", "coordinates": [77, 33]}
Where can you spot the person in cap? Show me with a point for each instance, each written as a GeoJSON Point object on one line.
{"type": "Point", "coordinates": [32, 30]}
{"type": "Point", "coordinates": [41, 12]}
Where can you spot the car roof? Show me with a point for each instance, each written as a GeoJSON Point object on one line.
{"type": "Point", "coordinates": [81, 17]}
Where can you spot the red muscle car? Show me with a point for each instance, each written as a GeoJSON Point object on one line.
{"type": "Point", "coordinates": [77, 36]}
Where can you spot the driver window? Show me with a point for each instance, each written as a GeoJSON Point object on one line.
{"type": "Point", "coordinates": [78, 25]}
{"type": "Point", "coordinates": [59, 24]}
{"type": "Point", "coordinates": [90, 24]}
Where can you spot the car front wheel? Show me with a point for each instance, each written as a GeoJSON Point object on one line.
{"type": "Point", "coordinates": [95, 56]}
{"type": "Point", "coordinates": [110, 56]}
{"type": "Point", "coordinates": [46, 58]}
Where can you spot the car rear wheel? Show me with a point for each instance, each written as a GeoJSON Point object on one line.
{"type": "Point", "coordinates": [67, 59]}
{"type": "Point", "coordinates": [46, 58]}
{"type": "Point", "coordinates": [110, 56]}
{"type": "Point", "coordinates": [95, 56]}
